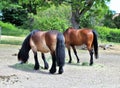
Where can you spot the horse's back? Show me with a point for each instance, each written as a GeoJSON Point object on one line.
{"type": "Point", "coordinates": [44, 41]}
{"type": "Point", "coordinates": [51, 39]}
{"type": "Point", "coordinates": [78, 36]}
{"type": "Point", "coordinates": [86, 33]}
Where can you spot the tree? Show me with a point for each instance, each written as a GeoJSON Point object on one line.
{"type": "Point", "coordinates": [80, 7]}
{"type": "Point", "coordinates": [78, 10]}
{"type": "Point", "coordinates": [33, 5]}
{"type": "Point", "coordinates": [116, 20]}
{"type": "Point", "coordinates": [14, 15]}
{"type": "Point", "coordinates": [108, 21]}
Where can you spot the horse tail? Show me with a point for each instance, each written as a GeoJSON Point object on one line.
{"type": "Point", "coordinates": [95, 43]}
{"type": "Point", "coordinates": [60, 50]}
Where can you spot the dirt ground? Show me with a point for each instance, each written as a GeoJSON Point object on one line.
{"type": "Point", "coordinates": [105, 73]}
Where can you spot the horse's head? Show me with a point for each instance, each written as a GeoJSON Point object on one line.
{"type": "Point", "coordinates": [23, 56]}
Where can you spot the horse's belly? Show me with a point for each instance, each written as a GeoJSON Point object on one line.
{"type": "Point", "coordinates": [43, 48]}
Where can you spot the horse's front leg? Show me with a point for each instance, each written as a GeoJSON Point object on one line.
{"type": "Point", "coordinates": [70, 58]}
{"type": "Point", "coordinates": [46, 66]}
{"type": "Point", "coordinates": [53, 67]}
{"type": "Point", "coordinates": [36, 67]}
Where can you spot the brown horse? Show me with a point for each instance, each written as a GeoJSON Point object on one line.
{"type": "Point", "coordinates": [77, 37]}
{"type": "Point", "coordinates": [44, 42]}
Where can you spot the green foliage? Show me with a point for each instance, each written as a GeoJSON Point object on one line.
{"type": "Point", "coordinates": [50, 23]}
{"type": "Point", "coordinates": [9, 29]}
{"type": "Point", "coordinates": [116, 20]}
{"type": "Point", "coordinates": [103, 32]}
{"type": "Point", "coordinates": [4, 3]}
{"type": "Point", "coordinates": [94, 16]}
{"type": "Point", "coordinates": [111, 35]}
{"type": "Point", "coordinates": [15, 15]}
{"type": "Point", "coordinates": [114, 35]}
{"type": "Point", "coordinates": [54, 18]}
{"type": "Point", "coordinates": [108, 21]}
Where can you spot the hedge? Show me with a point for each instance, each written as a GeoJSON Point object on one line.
{"type": "Point", "coordinates": [111, 35]}
{"type": "Point", "coordinates": [9, 29]}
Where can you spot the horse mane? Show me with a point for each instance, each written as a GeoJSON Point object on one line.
{"type": "Point", "coordinates": [24, 51]}
{"type": "Point", "coordinates": [69, 28]}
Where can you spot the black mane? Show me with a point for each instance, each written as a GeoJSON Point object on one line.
{"type": "Point", "coordinates": [24, 51]}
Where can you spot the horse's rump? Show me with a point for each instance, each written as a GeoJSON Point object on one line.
{"type": "Point", "coordinates": [44, 41]}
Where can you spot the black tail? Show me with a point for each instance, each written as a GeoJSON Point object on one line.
{"type": "Point", "coordinates": [24, 51]}
{"type": "Point", "coordinates": [60, 50]}
{"type": "Point", "coordinates": [95, 44]}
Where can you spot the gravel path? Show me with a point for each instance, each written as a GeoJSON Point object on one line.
{"type": "Point", "coordinates": [105, 73]}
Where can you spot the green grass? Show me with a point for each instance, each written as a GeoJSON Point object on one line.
{"type": "Point", "coordinates": [27, 66]}
{"type": "Point", "coordinates": [12, 30]}
{"type": "Point", "coordinates": [85, 64]}
{"type": "Point", "coordinates": [13, 40]}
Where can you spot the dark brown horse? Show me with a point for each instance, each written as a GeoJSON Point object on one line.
{"type": "Point", "coordinates": [77, 37]}
{"type": "Point", "coordinates": [44, 42]}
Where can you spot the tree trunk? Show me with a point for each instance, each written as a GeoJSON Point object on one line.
{"type": "Point", "coordinates": [74, 23]}
{"type": "Point", "coordinates": [75, 17]}
{"type": "Point", "coordinates": [77, 13]}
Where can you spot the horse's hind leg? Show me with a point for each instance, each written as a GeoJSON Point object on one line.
{"type": "Point", "coordinates": [36, 67]}
{"type": "Point", "coordinates": [60, 69]}
{"type": "Point", "coordinates": [91, 56]}
{"type": "Point", "coordinates": [46, 66]}
{"type": "Point", "coordinates": [53, 68]}
{"type": "Point", "coordinates": [75, 52]}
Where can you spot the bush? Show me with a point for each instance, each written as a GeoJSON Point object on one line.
{"type": "Point", "coordinates": [15, 15]}
{"type": "Point", "coordinates": [48, 23]}
{"type": "Point", "coordinates": [54, 18]}
{"type": "Point", "coordinates": [103, 32]}
{"type": "Point", "coordinates": [9, 29]}
{"type": "Point", "coordinates": [111, 35]}
{"type": "Point", "coordinates": [114, 35]}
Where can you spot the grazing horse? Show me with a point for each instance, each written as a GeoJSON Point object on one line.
{"type": "Point", "coordinates": [77, 37]}
{"type": "Point", "coordinates": [44, 42]}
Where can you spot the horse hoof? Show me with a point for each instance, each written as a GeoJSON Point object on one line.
{"type": "Point", "coordinates": [46, 67]}
{"type": "Point", "coordinates": [69, 62]}
{"type": "Point", "coordinates": [52, 71]}
{"type": "Point", "coordinates": [60, 71]}
{"type": "Point", "coordinates": [78, 61]}
{"type": "Point", "coordinates": [91, 64]}
{"type": "Point", "coordinates": [36, 68]}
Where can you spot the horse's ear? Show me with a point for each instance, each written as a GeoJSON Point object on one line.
{"type": "Point", "coordinates": [70, 28]}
